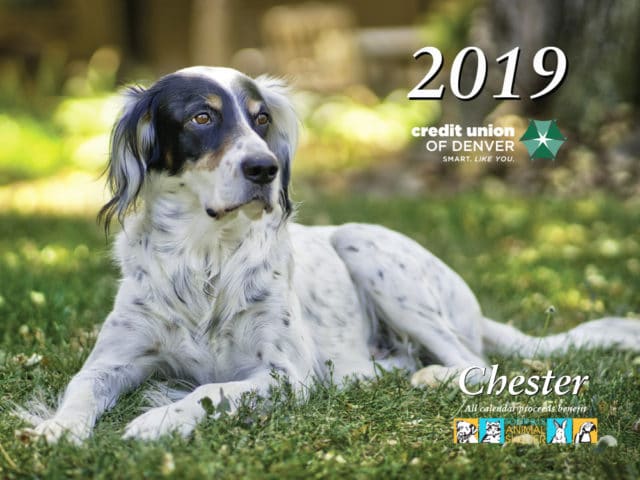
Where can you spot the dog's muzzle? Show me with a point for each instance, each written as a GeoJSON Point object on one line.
{"type": "Point", "coordinates": [260, 171]}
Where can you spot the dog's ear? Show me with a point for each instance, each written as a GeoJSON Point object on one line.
{"type": "Point", "coordinates": [282, 137]}
{"type": "Point", "coordinates": [133, 146]}
{"type": "Point", "coordinates": [473, 429]}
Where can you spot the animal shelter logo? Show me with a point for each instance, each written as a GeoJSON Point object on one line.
{"type": "Point", "coordinates": [543, 139]}
{"type": "Point", "coordinates": [516, 429]}
{"type": "Point", "coordinates": [561, 431]}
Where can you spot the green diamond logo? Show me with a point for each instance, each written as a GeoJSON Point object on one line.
{"type": "Point", "coordinates": [543, 139]}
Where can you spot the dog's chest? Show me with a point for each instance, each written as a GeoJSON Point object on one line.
{"type": "Point", "coordinates": [214, 315]}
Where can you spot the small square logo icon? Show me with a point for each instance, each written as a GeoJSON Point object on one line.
{"type": "Point", "coordinates": [465, 430]}
{"type": "Point", "coordinates": [492, 430]}
{"type": "Point", "coordinates": [585, 430]}
{"type": "Point", "coordinates": [560, 430]}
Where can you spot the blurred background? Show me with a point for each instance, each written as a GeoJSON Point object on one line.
{"type": "Point", "coordinates": [524, 234]}
{"type": "Point", "coordinates": [63, 61]}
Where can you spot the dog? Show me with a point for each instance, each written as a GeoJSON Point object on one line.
{"type": "Point", "coordinates": [222, 290]}
{"type": "Point", "coordinates": [584, 433]}
{"type": "Point", "coordinates": [492, 433]}
{"type": "Point", "coordinates": [466, 432]}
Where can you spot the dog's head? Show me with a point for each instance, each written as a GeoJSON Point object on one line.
{"type": "Point", "coordinates": [229, 139]}
{"type": "Point", "coordinates": [465, 430]}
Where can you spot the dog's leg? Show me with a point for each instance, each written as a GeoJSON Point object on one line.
{"type": "Point", "coordinates": [183, 416]}
{"type": "Point", "coordinates": [113, 367]}
{"type": "Point", "coordinates": [420, 297]}
{"type": "Point", "coordinates": [414, 293]}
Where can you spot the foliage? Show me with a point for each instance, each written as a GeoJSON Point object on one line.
{"type": "Point", "coordinates": [76, 137]}
{"type": "Point", "coordinates": [43, 132]}
{"type": "Point", "coordinates": [447, 24]}
{"type": "Point", "coordinates": [518, 254]}
{"type": "Point", "coordinates": [29, 149]}
{"type": "Point", "coordinates": [355, 130]}
{"type": "Point", "coordinates": [340, 132]}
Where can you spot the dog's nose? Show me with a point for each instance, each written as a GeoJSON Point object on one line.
{"type": "Point", "coordinates": [260, 170]}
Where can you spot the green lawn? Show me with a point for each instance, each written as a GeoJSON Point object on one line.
{"type": "Point", "coordinates": [519, 255]}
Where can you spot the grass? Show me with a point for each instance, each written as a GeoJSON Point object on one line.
{"type": "Point", "coordinates": [519, 255]}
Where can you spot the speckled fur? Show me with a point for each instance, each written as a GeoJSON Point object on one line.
{"type": "Point", "coordinates": [224, 303]}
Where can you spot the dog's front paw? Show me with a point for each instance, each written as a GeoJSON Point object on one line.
{"type": "Point", "coordinates": [161, 421]}
{"type": "Point", "coordinates": [434, 376]}
{"type": "Point", "coordinates": [54, 429]}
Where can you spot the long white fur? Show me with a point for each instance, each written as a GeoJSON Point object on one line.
{"type": "Point", "coordinates": [225, 303]}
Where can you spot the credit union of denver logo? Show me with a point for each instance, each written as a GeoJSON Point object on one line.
{"type": "Point", "coordinates": [541, 430]}
{"type": "Point", "coordinates": [543, 139]}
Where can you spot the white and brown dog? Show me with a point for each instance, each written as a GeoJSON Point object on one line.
{"type": "Point", "coordinates": [466, 432]}
{"type": "Point", "coordinates": [220, 289]}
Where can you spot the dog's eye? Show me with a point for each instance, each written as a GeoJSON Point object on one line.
{"type": "Point", "coordinates": [263, 119]}
{"type": "Point", "coordinates": [201, 119]}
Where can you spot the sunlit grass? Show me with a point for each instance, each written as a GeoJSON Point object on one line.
{"type": "Point", "coordinates": [58, 283]}
{"type": "Point", "coordinates": [67, 193]}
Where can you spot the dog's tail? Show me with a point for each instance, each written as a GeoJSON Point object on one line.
{"type": "Point", "coordinates": [611, 332]}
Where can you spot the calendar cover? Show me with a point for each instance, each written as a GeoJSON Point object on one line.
{"type": "Point", "coordinates": [287, 239]}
